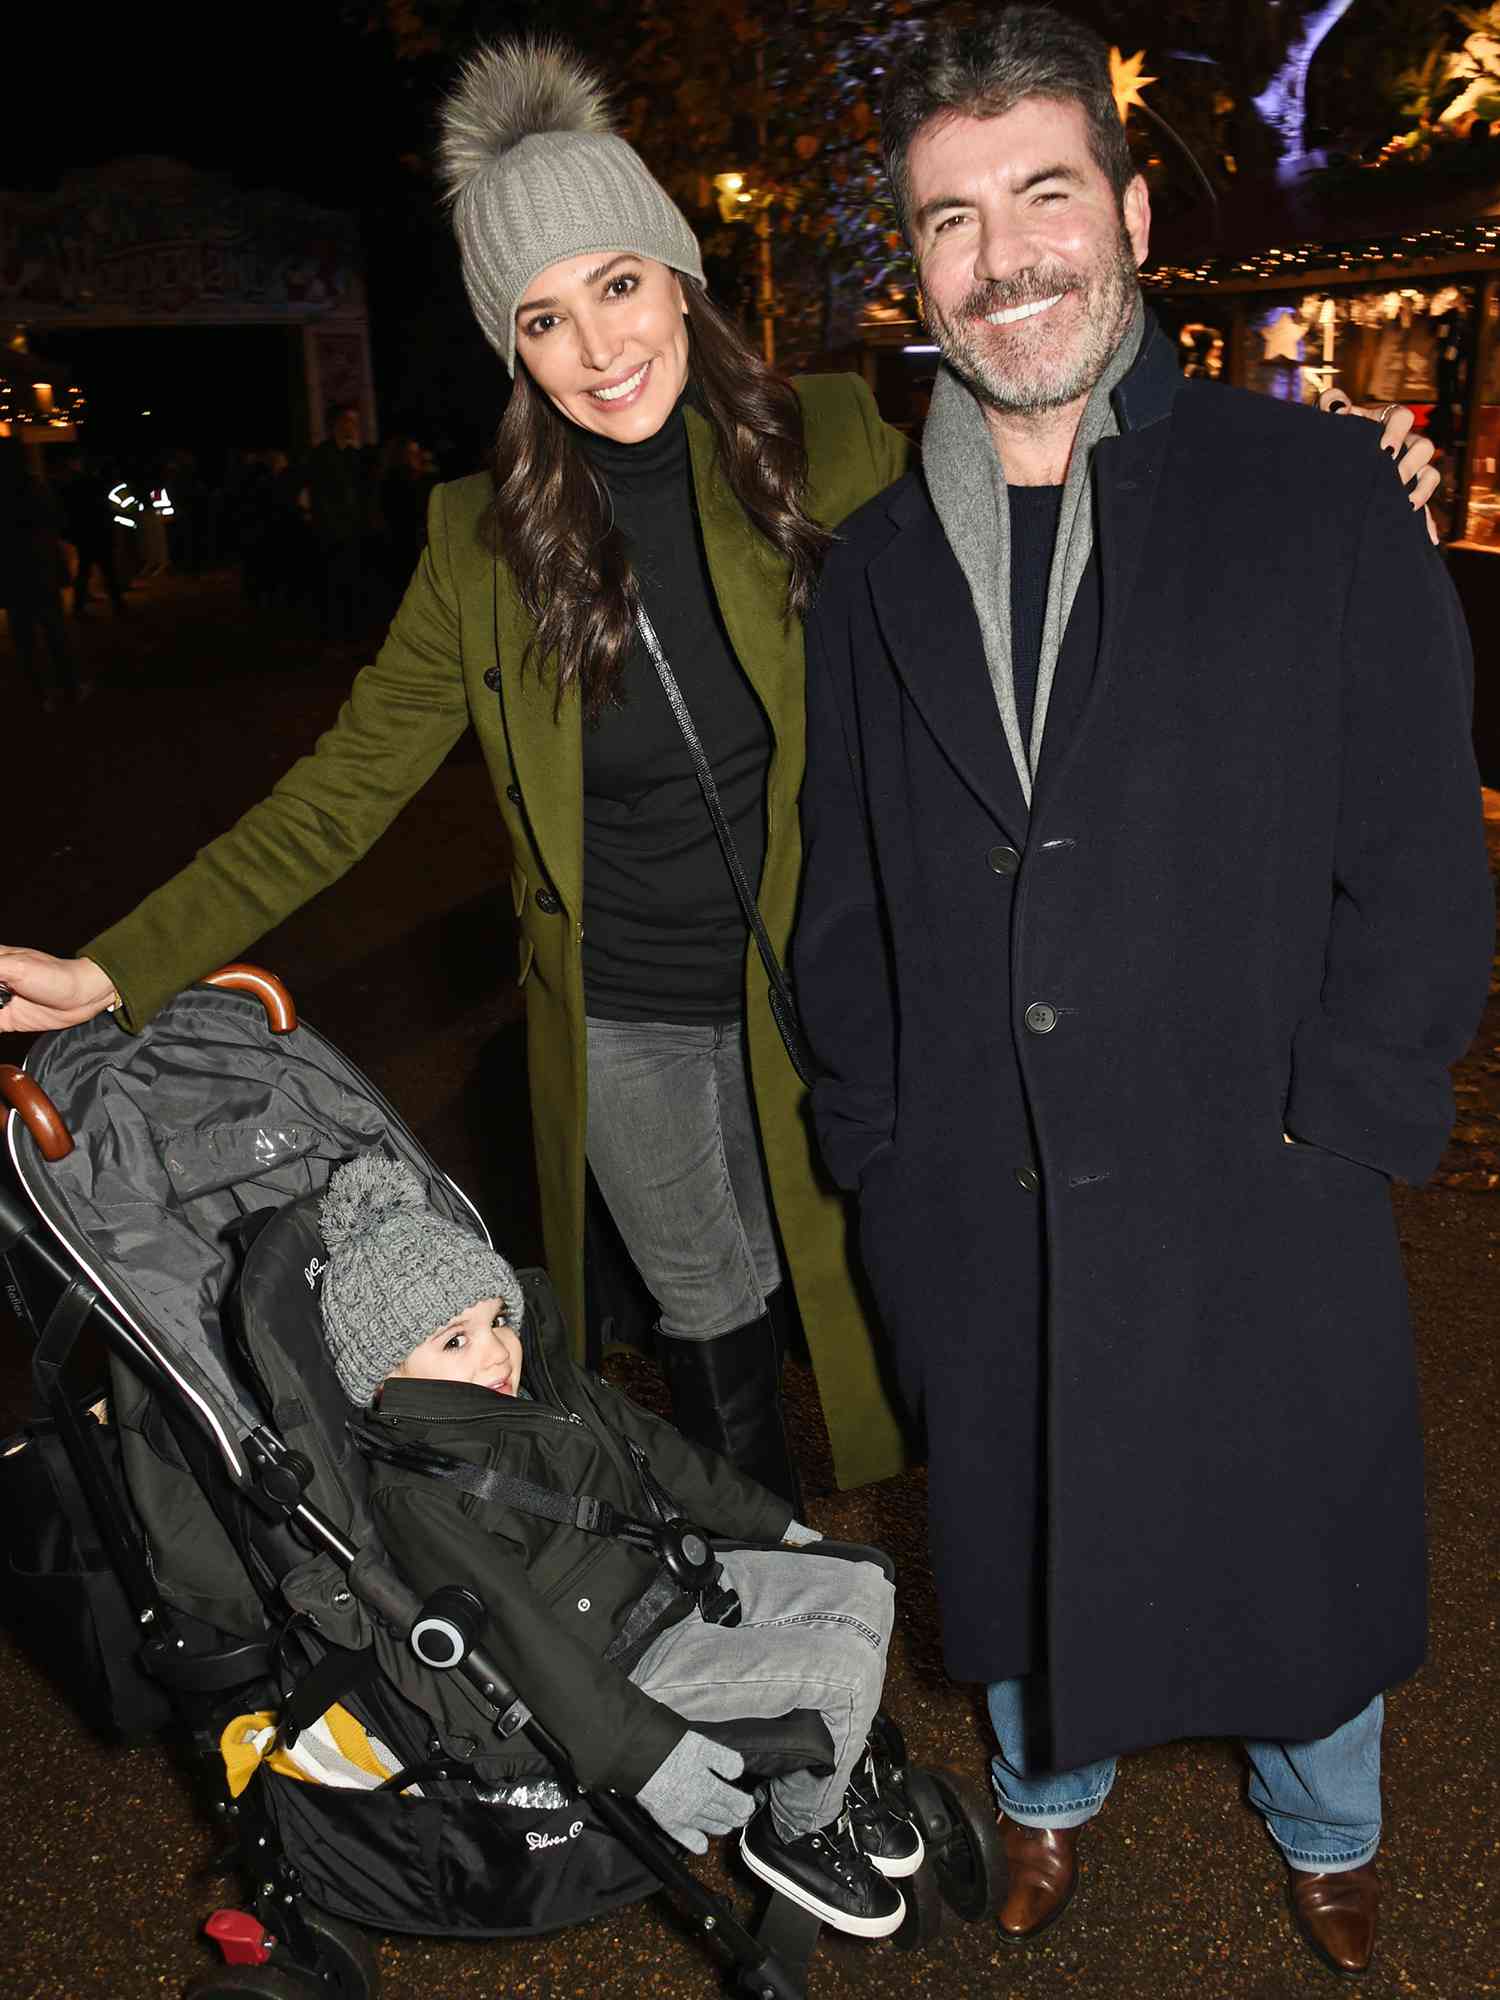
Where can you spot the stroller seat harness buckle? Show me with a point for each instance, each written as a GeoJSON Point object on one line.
{"type": "Point", "coordinates": [685, 1551]}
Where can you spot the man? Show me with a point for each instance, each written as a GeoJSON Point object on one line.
{"type": "Point", "coordinates": [1146, 907]}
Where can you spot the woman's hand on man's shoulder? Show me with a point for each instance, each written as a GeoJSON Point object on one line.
{"type": "Point", "coordinates": [1413, 455]}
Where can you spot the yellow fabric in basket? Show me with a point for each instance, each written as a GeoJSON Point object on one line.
{"type": "Point", "coordinates": [334, 1750]}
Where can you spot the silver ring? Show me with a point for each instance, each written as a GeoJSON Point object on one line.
{"type": "Point", "coordinates": [1386, 414]}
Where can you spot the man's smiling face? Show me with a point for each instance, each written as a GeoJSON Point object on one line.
{"type": "Point", "coordinates": [1028, 264]}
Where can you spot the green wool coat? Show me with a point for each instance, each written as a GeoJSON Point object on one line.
{"type": "Point", "coordinates": [452, 660]}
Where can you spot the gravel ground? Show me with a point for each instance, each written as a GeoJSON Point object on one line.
{"type": "Point", "coordinates": [408, 966]}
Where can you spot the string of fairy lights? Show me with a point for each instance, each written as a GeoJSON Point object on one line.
{"type": "Point", "coordinates": [1359, 257]}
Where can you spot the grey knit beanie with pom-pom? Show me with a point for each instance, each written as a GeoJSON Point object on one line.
{"type": "Point", "coordinates": [535, 174]}
{"type": "Point", "coordinates": [397, 1271]}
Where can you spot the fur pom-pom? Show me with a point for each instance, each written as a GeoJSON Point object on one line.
{"type": "Point", "coordinates": [509, 91]}
{"type": "Point", "coordinates": [365, 1193]}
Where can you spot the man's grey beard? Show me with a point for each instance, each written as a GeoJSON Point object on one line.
{"type": "Point", "coordinates": [1113, 292]}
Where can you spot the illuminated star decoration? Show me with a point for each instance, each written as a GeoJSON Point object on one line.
{"type": "Point", "coordinates": [1127, 82]}
{"type": "Point", "coordinates": [1283, 338]}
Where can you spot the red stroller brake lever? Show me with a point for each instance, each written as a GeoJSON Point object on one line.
{"type": "Point", "coordinates": [241, 1937]}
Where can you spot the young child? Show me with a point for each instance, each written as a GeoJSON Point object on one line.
{"type": "Point", "coordinates": [429, 1331]}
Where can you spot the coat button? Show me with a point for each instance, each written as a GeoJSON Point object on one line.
{"type": "Point", "coordinates": [492, 679]}
{"type": "Point", "coordinates": [513, 793]}
{"type": "Point", "coordinates": [1040, 1018]}
{"type": "Point", "coordinates": [1028, 1178]}
{"type": "Point", "coordinates": [548, 902]}
{"type": "Point", "coordinates": [1004, 860]}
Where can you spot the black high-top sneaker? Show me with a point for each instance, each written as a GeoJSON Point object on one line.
{"type": "Point", "coordinates": [882, 1829]}
{"type": "Point", "coordinates": [825, 1872]}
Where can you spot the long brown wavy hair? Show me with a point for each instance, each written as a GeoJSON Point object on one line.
{"type": "Point", "coordinates": [552, 522]}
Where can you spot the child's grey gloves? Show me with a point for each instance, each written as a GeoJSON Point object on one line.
{"type": "Point", "coordinates": [690, 1795]}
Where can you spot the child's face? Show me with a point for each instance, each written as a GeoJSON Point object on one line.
{"type": "Point", "coordinates": [478, 1346]}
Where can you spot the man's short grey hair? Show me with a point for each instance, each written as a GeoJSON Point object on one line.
{"type": "Point", "coordinates": [985, 71]}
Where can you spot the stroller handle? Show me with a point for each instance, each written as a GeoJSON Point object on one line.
{"type": "Point", "coordinates": [263, 986]}
{"type": "Point", "coordinates": [36, 1112]}
{"type": "Point", "coordinates": [46, 1123]}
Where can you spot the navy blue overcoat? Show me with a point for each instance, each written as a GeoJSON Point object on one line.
{"type": "Point", "coordinates": [1164, 1357]}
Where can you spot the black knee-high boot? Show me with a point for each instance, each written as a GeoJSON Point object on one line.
{"type": "Point", "coordinates": [726, 1394]}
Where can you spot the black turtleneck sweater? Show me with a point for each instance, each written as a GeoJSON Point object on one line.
{"type": "Point", "coordinates": [663, 933]}
{"type": "Point", "coordinates": [1034, 515]}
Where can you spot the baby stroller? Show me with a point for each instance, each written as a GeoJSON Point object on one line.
{"type": "Point", "coordinates": [171, 1184]}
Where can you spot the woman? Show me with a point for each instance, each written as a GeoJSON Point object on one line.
{"type": "Point", "coordinates": [647, 458]}
{"type": "Point", "coordinates": [647, 455]}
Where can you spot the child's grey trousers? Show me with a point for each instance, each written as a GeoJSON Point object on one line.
{"type": "Point", "coordinates": [813, 1633]}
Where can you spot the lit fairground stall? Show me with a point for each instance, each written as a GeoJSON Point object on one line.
{"type": "Point", "coordinates": [1414, 318]}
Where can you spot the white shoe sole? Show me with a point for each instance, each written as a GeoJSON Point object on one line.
{"type": "Point", "coordinates": [870, 1927]}
{"type": "Point", "coordinates": [893, 1871]}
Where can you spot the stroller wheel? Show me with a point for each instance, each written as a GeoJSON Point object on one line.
{"type": "Point", "coordinates": [963, 1842]}
{"type": "Point", "coordinates": [238, 1982]}
{"type": "Point", "coordinates": [348, 1969]}
{"type": "Point", "coordinates": [925, 1910]}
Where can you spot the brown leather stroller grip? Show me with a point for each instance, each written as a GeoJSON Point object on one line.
{"type": "Point", "coordinates": [36, 1112]}
{"type": "Point", "coordinates": [263, 986]}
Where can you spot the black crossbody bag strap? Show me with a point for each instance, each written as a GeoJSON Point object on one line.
{"type": "Point", "coordinates": [783, 1001]}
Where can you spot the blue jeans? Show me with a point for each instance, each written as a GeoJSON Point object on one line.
{"type": "Point", "coordinates": [1320, 1800]}
{"type": "Point", "coordinates": [673, 1144]}
{"type": "Point", "coordinates": [813, 1633]}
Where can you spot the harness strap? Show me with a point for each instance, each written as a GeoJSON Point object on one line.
{"type": "Point", "coordinates": [547, 1503]}
{"type": "Point", "coordinates": [685, 1555]}
{"type": "Point", "coordinates": [641, 1623]}
{"type": "Point", "coordinates": [340, 1672]}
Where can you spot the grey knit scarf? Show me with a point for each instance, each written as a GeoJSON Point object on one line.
{"type": "Point", "coordinates": [967, 484]}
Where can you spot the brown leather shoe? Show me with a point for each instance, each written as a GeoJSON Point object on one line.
{"type": "Point", "coordinates": [1336, 1914]}
{"type": "Point", "coordinates": [1043, 1875]}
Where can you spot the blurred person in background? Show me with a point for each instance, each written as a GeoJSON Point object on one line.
{"type": "Point", "coordinates": [341, 511]}
{"type": "Point", "coordinates": [406, 481]}
{"type": "Point", "coordinates": [32, 571]}
{"type": "Point", "coordinates": [83, 492]}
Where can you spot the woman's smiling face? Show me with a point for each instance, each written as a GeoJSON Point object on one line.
{"type": "Point", "coordinates": [604, 336]}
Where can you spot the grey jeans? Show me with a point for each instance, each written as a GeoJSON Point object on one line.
{"type": "Point", "coordinates": [674, 1147]}
{"type": "Point", "coordinates": [813, 1633]}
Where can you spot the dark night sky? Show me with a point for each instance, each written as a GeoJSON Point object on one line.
{"type": "Point", "coordinates": [282, 95]}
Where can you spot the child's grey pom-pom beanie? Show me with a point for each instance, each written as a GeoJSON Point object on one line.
{"type": "Point", "coordinates": [397, 1271]}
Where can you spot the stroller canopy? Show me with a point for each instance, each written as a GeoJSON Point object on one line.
{"type": "Point", "coordinates": [180, 1132]}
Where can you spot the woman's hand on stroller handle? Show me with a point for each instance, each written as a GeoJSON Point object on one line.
{"type": "Point", "coordinates": [48, 992]}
